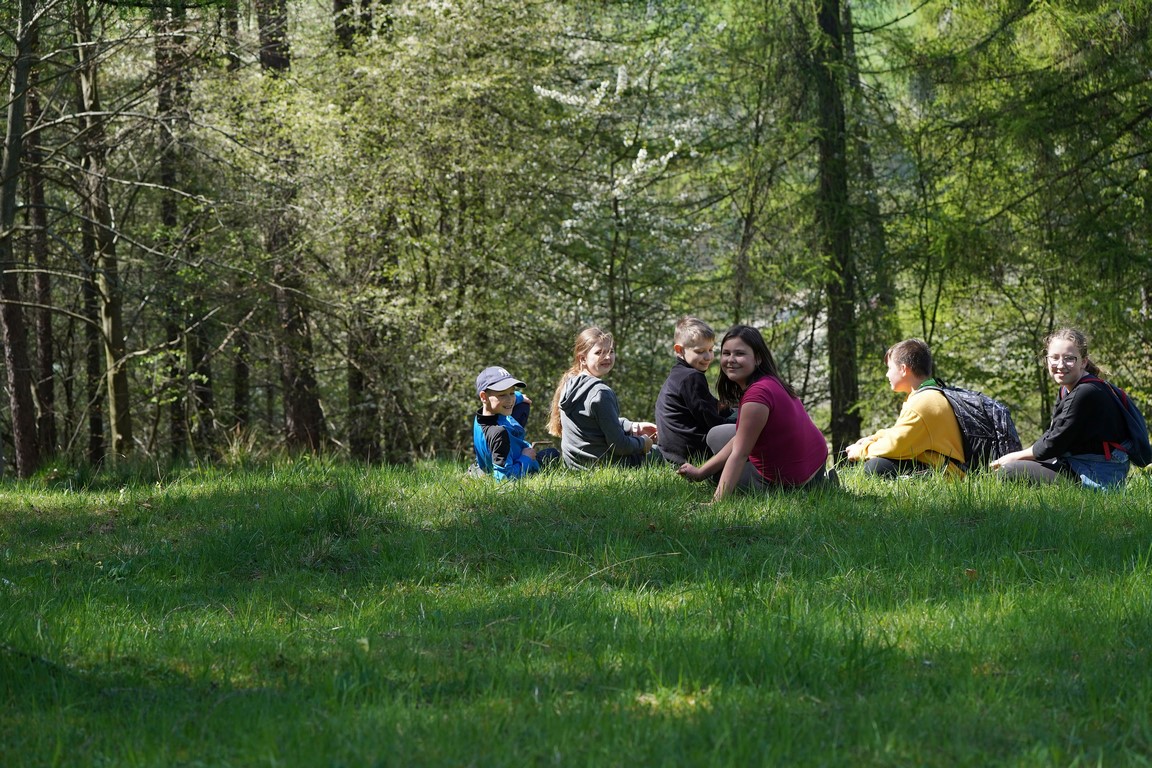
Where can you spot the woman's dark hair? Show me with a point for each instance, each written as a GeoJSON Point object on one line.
{"type": "Point", "coordinates": [765, 364]}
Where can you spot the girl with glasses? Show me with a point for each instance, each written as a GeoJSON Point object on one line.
{"type": "Point", "coordinates": [1085, 440]}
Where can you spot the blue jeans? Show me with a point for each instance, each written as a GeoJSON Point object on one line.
{"type": "Point", "coordinates": [1096, 471]}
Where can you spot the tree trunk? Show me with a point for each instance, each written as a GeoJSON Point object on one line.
{"type": "Point", "coordinates": [882, 326]}
{"type": "Point", "coordinates": [272, 18]}
{"type": "Point", "coordinates": [94, 186]}
{"type": "Point", "coordinates": [93, 368]}
{"type": "Point", "coordinates": [202, 397]}
{"type": "Point", "coordinates": [834, 225]}
{"type": "Point", "coordinates": [231, 14]}
{"type": "Point", "coordinates": [344, 16]}
{"type": "Point", "coordinates": [241, 383]}
{"type": "Point", "coordinates": [15, 332]}
{"type": "Point", "coordinates": [169, 35]}
{"type": "Point", "coordinates": [363, 406]}
{"type": "Point", "coordinates": [354, 18]}
{"type": "Point", "coordinates": [305, 427]}
{"type": "Point", "coordinates": [304, 423]}
{"type": "Point", "coordinates": [42, 282]}
{"type": "Point", "coordinates": [177, 405]}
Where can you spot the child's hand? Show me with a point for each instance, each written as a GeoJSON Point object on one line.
{"type": "Point", "coordinates": [691, 472]}
{"type": "Point", "coordinates": [855, 452]}
{"type": "Point", "coordinates": [997, 464]}
{"type": "Point", "coordinates": [644, 429]}
{"type": "Point", "coordinates": [529, 451]}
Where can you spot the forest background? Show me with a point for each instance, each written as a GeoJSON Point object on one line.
{"type": "Point", "coordinates": [231, 227]}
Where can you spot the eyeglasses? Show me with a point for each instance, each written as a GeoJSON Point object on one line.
{"type": "Point", "coordinates": [1066, 359]}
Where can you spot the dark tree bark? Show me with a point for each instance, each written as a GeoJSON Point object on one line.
{"type": "Point", "coordinates": [346, 18]}
{"type": "Point", "coordinates": [15, 332]}
{"type": "Point", "coordinates": [42, 287]}
{"type": "Point", "coordinates": [834, 223]}
{"type": "Point", "coordinates": [98, 212]}
{"type": "Point", "coordinates": [354, 18]}
{"type": "Point", "coordinates": [363, 405]}
{"type": "Point", "coordinates": [231, 14]}
{"type": "Point", "coordinates": [305, 427]}
{"type": "Point", "coordinates": [241, 382]}
{"type": "Point", "coordinates": [93, 368]}
{"type": "Point", "coordinates": [202, 396]}
{"type": "Point", "coordinates": [177, 405]}
{"type": "Point", "coordinates": [272, 18]}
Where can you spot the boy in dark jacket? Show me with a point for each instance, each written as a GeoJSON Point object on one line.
{"type": "Point", "coordinates": [686, 408]}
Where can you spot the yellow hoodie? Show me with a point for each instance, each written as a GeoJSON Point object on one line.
{"type": "Point", "coordinates": [926, 432]}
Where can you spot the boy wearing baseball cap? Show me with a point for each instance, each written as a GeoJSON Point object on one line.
{"type": "Point", "coordinates": [498, 429]}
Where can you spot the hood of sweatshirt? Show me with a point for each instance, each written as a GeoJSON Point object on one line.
{"type": "Point", "coordinates": [578, 391]}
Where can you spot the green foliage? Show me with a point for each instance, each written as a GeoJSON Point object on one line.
{"type": "Point", "coordinates": [1012, 208]}
{"type": "Point", "coordinates": [469, 183]}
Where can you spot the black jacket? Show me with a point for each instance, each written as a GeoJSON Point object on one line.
{"type": "Point", "coordinates": [1082, 421]}
{"type": "Point", "coordinates": [685, 410]}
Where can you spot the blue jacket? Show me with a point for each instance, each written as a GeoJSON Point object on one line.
{"type": "Point", "coordinates": [499, 444]}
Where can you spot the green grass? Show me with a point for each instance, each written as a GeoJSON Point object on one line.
{"type": "Point", "coordinates": [313, 614]}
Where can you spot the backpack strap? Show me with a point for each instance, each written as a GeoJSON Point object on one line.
{"type": "Point", "coordinates": [938, 385]}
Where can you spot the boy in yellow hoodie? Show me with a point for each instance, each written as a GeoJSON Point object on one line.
{"type": "Point", "coordinates": [926, 435]}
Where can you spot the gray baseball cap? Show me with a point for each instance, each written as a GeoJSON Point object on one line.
{"type": "Point", "coordinates": [496, 379]}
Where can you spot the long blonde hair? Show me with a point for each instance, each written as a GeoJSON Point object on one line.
{"type": "Point", "coordinates": [585, 340]}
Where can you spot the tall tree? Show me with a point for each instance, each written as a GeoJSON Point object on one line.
{"type": "Point", "coordinates": [305, 424]}
{"type": "Point", "coordinates": [42, 282]}
{"type": "Point", "coordinates": [98, 218]}
{"type": "Point", "coordinates": [21, 381]}
{"type": "Point", "coordinates": [834, 223]}
{"type": "Point", "coordinates": [168, 33]}
{"type": "Point", "coordinates": [877, 323]}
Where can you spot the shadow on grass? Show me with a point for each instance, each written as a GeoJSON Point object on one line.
{"type": "Point", "coordinates": [624, 530]}
{"type": "Point", "coordinates": [619, 600]}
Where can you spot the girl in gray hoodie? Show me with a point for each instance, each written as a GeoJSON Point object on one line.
{"type": "Point", "coordinates": [586, 415]}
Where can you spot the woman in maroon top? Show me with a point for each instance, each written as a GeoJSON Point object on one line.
{"type": "Point", "coordinates": [774, 442]}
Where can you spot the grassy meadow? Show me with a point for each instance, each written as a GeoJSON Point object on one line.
{"type": "Point", "coordinates": [316, 614]}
